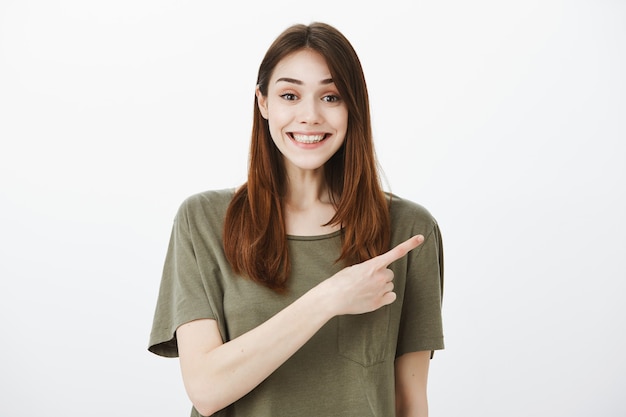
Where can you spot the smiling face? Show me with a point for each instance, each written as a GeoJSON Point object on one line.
{"type": "Point", "coordinates": [307, 118]}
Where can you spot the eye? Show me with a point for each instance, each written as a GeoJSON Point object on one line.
{"type": "Point", "coordinates": [289, 96]}
{"type": "Point", "coordinates": [331, 98]}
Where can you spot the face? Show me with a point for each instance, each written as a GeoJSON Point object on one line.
{"type": "Point", "coordinates": [307, 118]}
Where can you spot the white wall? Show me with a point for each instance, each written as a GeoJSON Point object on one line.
{"type": "Point", "coordinates": [505, 118]}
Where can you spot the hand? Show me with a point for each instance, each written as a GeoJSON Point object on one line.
{"type": "Point", "coordinates": [367, 286]}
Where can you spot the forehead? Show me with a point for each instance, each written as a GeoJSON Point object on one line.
{"type": "Point", "coordinates": [306, 65]}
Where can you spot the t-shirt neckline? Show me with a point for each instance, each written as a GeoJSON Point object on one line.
{"type": "Point", "coordinates": [315, 237]}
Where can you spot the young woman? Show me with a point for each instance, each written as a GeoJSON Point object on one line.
{"type": "Point", "coordinates": [282, 297]}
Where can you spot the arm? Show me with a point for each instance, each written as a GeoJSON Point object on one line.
{"type": "Point", "coordinates": [411, 381]}
{"type": "Point", "coordinates": [217, 374]}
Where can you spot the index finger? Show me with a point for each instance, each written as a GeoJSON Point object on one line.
{"type": "Point", "coordinates": [399, 251]}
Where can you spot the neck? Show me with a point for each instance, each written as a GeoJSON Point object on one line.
{"type": "Point", "coordinates": [308, 205]}
{"type": "Point", "coordinates": [306, 188]}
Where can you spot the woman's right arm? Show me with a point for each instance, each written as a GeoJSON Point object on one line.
{"type": "Point", "coordinates": [217, 374]}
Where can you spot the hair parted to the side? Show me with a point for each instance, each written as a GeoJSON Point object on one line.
{"type": "Point", "coordinates": [255, 240]}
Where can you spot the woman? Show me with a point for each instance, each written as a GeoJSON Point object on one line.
{"type": "Point", "coordinates": [282, 298]}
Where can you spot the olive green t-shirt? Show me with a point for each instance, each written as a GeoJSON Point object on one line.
{"type": "Point", "coordinates": [347, 368]}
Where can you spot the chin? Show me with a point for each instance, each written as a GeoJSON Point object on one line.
{"type": "Point", "coordinates": [307, 165]}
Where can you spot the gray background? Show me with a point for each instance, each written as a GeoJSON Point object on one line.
{"type": "Point", "coordinates": [504, 118]}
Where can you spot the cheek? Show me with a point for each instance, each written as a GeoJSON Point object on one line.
{"type": "Point", "coordinates": [340, 121]}
{"type": "Point", "coordinates": [276, 127]}
{"type": "Point", "coordinates": [277, 115]}
{"type": "Point", "coordinates": [275, 124]}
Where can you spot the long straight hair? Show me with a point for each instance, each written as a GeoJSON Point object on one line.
{"type": "Point", "coordinates": [255, 239]}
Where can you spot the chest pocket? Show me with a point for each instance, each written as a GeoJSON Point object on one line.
{"type": "Point", "coordinates": [364, 338]}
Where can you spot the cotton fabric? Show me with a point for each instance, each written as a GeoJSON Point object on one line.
{"type": "Point", "coordinates": [347, 368]}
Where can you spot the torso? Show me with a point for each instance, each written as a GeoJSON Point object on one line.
{"type": "Point", "coordinates": [349, 363]}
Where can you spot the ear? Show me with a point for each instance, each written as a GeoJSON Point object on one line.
{"type": "Point", "coordinates": [261, 102]}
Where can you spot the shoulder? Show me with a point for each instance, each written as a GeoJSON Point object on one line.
{"type": "Point", "coordinates": [404, 210]}
{"type": "Point", "coordinates": [210, 197]}
{"type": "Point", "coordinates": [409, 216]}
{"type": "Point", "coordinates": [210, 203]}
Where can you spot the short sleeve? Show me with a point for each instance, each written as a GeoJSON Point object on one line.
{"type": "Point", "coordinates": [421, 325]}
{"type": "Point", "coordinates": [182, 294]}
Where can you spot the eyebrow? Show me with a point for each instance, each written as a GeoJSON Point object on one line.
{"type": "Point", "coordinates": [298, 82]}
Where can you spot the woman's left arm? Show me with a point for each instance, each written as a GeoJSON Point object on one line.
{"type": "Point", "coordinates": [411, 382]}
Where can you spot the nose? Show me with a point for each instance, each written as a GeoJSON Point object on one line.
{"type": "Point", "coordinates": [310, 112]}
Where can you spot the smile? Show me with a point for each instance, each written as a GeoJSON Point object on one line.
{"type": "Point", "coordinates": [307, 138]}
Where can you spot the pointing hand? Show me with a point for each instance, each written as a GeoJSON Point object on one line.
{"type": "Point", "coordinates": [367, 286]}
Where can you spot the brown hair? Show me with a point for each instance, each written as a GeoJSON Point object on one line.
{"type": "Point", "coordinates": [254, 231]}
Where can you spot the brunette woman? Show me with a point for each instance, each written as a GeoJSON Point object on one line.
{"type": "Point", "coordinates": [308, 290]}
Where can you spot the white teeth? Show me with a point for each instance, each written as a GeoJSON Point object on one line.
{"type": "Point", "coordinates": [308, 138]}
